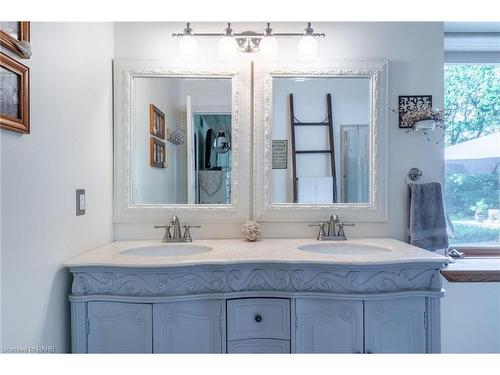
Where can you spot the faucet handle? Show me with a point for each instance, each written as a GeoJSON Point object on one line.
{"type": "Point", "coordinates": [166, 227]}
{"type": "Point", "coordinates": [341, 226]}
{"type": "Point", "coordinates": [321, 232]}
{"type": "Point", "coordinates": [167, 230]}
{"type": "Point", "coordinates": [187, 233]}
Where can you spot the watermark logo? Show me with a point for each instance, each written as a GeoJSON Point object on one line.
{"type": "Point", "coordinates": [29, 349]}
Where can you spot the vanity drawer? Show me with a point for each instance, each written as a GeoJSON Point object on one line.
{"type": "Point", "coordinates": [258, 346]}
{"type": "Point", "coordinates": [251, 318]}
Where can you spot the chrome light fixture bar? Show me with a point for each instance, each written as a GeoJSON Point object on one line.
{"type": "Point", "coordinates": [250, 41]}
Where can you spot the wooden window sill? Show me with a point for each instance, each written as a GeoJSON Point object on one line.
{"type": "Point", "coordinates": [473, 270]}
{"type": "Point", "coordinates": [479, 251]}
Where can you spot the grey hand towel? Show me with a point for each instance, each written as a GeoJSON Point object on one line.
{"type": "Point", "coordinates": [427, 219]}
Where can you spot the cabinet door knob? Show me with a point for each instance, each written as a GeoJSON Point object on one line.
{"type": "Point", "coordinates": [258, 318]}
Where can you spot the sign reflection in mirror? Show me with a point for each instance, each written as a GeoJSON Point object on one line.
{"type": "Point", "coordinates": [325, 120]}
{"type": "Point", "coordinates": [199, 169]}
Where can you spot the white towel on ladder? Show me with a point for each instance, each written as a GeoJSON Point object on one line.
{"type": "Point", "coordinates": [315, 190]}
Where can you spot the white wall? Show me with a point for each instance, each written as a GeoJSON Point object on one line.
{"type": "Point", "coordinates": [70, 147]}
{"type": "Point", "coordinates": [207, 94]}
{"type": "Point", "coordinates": [470, 318]}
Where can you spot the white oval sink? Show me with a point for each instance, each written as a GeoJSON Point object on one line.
{"type": "Point", "coordinates": [336, 248]}
{"type": "Point", "coordinates": [168, 250]}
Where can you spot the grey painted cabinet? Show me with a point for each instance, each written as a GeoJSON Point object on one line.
{"type": "Point", "coordinates": [269, 308]}
{"type": "Point", "coordinates": [395, 325]}
{"type": "Point", "coordinates": [328, 326]}
{"type": "Point", "coordinates": [188, 327]}
{"type": "Point", "coordinates": [115, 327]}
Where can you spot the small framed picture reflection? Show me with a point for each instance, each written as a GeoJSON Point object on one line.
{"type": "Point", "coordinates": [156, 122]}
{"type": "Point", "coordinates": [15, 36]}
{"type": "Point", "coordinates": [157, 153]}
{"type": "Point", "coordinates": [14, 95]}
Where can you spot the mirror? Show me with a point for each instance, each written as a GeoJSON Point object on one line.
{"type": "Point", "coordinates": [320, 140]}
{"type": "Point", "coordinates": [181, 140]}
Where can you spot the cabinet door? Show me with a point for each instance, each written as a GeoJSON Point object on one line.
{"type": "Point", "coordinates": [116, 327]}
{"type": "Point", "coordinates": [395, 326]}
{"type": "Point", "coordinates": [188, 327]}
{"type": "Point", "coordinates": [324, 326]}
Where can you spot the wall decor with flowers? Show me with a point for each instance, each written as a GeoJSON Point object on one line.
{"type": "Point", "coordinates": [415, 113]}
{"type": "Point", "coordinates": [410, 103]}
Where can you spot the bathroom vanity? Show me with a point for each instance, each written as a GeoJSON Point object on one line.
{"type": "Point", "coordinates": [271, 296]}
{"type": "Point", "coordinates": [275, 295]}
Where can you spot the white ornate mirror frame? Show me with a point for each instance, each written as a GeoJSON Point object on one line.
{"type": "Point", "coordinates": [376, 209]}
{"type": "Point", "coordinates": [125, 70]}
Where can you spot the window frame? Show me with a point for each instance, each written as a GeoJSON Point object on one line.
{"type": "Point", "coordinates": [467, 51]}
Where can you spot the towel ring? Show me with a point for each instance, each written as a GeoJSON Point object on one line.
{"type": "Point", "coordinates": [414, 174]}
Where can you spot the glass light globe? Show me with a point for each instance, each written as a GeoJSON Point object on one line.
{"type": "Point", "coordinates": [188, 47]}
{"type": "Point", "coordinates": [269, 47]}
{"type": "Point", "coordinates": [228, 47]}
{"type": "Point", "coordinates": [308, 48]}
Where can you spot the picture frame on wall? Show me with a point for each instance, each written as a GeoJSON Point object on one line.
{"type": "Point", "coordinates": [407, 103]}
{"type": "Point", "coordinates": [15, 36]}
{"type": "Point", "coordinates": [157, 153]}
{"type": "Point", "coordinates": [14, 95]}
{"type": "Point", "coordinates": [156, 122]}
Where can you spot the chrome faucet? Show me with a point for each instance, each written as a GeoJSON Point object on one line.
{"type": "Point", "coordinates": [175, 223]}
{"type": "Point", "coordinates": [169, 237]}
{"type": "Point", "coordinates": [331, 233]}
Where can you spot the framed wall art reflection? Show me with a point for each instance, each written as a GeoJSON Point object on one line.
{"type": "Point", "coordinates": [156, 122]}
{"type": "Point", "coordinates": [14, 95]}
{"type": "Point", "coordinates": [157, 153]}
{"type": "Point", "coordinates": [15, 36]}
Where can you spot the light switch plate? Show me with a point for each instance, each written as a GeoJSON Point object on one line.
{"type": "Point", "coordinates": [80, 202]}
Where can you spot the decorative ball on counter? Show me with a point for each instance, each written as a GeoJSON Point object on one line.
{"type": "Point", "coordinates": [251, 230]}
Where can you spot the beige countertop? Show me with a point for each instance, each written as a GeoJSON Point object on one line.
{"type": "Point", "coordinates": [284, 251]}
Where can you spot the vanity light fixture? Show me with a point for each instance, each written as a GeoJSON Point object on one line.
{"type": "Point", "coordinates": [249, 42]}
{"type": "Point", "coordinates": [228, 47]}
{"type": "Point", "coordinates": [308, 45]}
{"type": "Point", "coordinates": [269, 46]}
{"type": "Point", "coordinates": [188, 45]}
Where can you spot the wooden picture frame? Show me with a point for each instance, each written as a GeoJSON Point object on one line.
{"type": "Point", "coordinates": [14, 95]}
{"type": "Point", "coordinates": [157, 153]}
{"type": "Point", "coordinates": [18, 40]}
{"type": "Point", "coordinates": [156, 122]}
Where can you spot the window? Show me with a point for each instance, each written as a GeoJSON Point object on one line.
{"type": "Point", "coordinates": [472, 152]}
